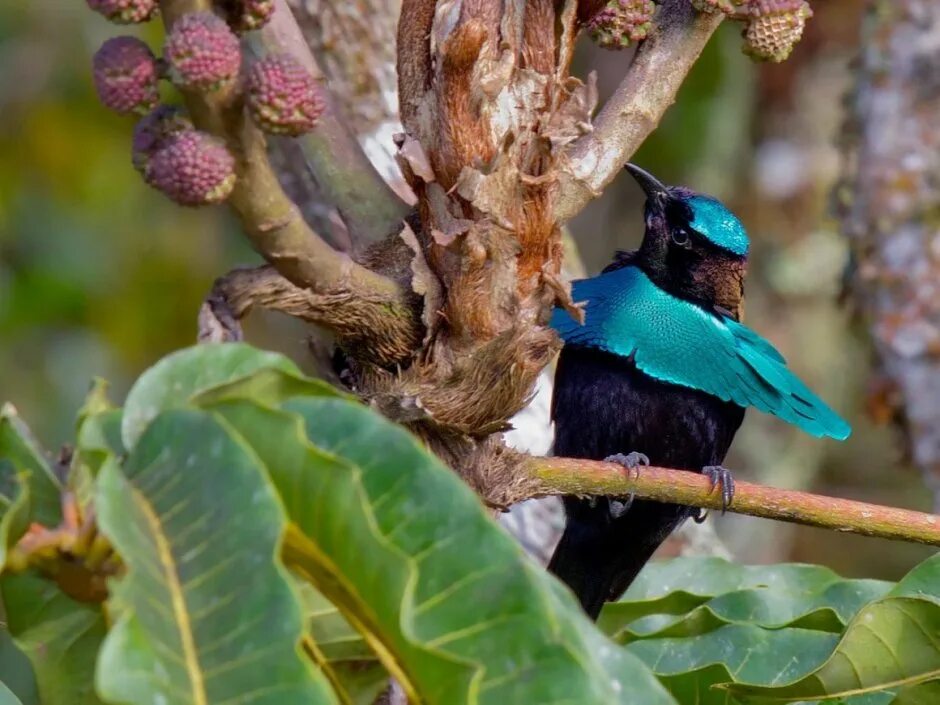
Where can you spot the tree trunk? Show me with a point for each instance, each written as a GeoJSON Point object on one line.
{"type": "Point", "coordinates": [890, 200]}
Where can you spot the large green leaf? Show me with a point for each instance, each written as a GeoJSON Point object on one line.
{"type": "Point", "coordinates": [689, 667]}
{"type": "Point", "coordinates": [448, 601]}
{"type": "Point", "coordinates": [16, 672]}
{"type": "Point", "coordinates": [59, 636]}
{"type": "Point", "coordinates": [892, 641]}
{"type": "Point", "coordinates": [7, 696]}
{"type": "Point", "coordinates": [180, 376]}
{"type": "Point", "coordinates": [715, 592]}
{"type": "Point", "coordinates": [20, 452]}
{"type": "Point", "coordinates": [206, 612]}
{"type": "Point", "coordinates": [921, 694]}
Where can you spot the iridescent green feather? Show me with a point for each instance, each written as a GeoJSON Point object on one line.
{"type": "Point", "coordinates": [674, 341]}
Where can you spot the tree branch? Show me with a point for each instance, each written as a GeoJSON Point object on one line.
{"type": "Point", "coordinates": [553, 476]}
{"type": "Point", "coordinates": [275, 227]}
{"type": "Point", "coordinates": [361, 324]}
{"type": "Point", "coordinates": [337, 163]}
{"type": "Point", "coordinates": [635, 109]}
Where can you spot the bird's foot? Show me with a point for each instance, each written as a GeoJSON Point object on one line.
{"type": "Point", "coordinates": [717, 475]}
{"type": "Point", "coordinates": [631, 461]}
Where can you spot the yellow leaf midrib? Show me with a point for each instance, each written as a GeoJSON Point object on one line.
{"type": "Point", "coordinates": [177, 599]}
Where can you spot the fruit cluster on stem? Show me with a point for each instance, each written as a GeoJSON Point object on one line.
{"type": "Point", "coordinates": [772, 27]}
{"type": "Point", "coordinates": [201, 55]}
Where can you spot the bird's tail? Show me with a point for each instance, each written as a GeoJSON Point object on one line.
{"type": "Point", "coordinates": [598, 556]}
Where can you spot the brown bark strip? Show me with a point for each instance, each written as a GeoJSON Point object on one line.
{"type": "Point", "coordinates": [554, 476]}
{"type": "Point", "coordinates": [414, 58]}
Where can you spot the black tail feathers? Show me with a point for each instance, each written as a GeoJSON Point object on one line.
{"type": "Point", "coordinates": [599, 555]}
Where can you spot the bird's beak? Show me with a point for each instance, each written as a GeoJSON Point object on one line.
{"type": "Point", "coordinates": [655, 191]}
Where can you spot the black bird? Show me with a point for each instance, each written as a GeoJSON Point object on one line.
{"type": "Point", "coordinates": [661, 372]}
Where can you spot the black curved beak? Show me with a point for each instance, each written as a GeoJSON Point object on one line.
{"type": "Point", "coordinates": [655, 190]}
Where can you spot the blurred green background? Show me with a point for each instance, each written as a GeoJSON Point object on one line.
{"type": "Point", "coordinates": [99, 275]}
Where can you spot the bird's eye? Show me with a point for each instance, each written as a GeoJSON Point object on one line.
{"type": "Point", "coordinates": [680, 236]}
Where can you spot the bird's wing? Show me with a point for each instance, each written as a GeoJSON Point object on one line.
{"type": "Point", "coordinates": [675, 341]}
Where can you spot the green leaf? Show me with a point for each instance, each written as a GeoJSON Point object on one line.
{"type": "Point", "coordinates": [207, 614]}
{"type": "Point", "coordinates": [452, 606]}
{"type": "Point", "coordinates": [7, 697]}
{"type": "Point", "coordinates": [14, 508]}
{"type": "Point", "coordinates": [269, 386]}
{"type": "Point", "coordinates": [16, 672]}
{"type": "Point", "coordinates": [892, 641]}
{"type": "Point", "coordinates": [716, 592]}
{"type": "Point", "coordinates": [690, 667]}
{"type": "Point", "coordinates": [920, 694]}
{"type": "Point", "coordinates": [101, 434]}
{"type": "Point", "coordinates": [180, 376]}
{"type": "Point", "coordinates": [58, 635]}
{"type": "Point", "coordinates": [96, 401]}
{"type": "Point", "coordinates": [19, 452]}
{"type": "Point", "coordinates": [341, 651]}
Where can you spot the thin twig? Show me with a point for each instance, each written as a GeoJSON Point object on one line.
{"type": "Point", "coordinates": [633, 112]}
{"type": "Point", "coordinates": [552, 476]}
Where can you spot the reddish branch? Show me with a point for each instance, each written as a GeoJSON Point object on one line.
{"type": "Point", "coordinates": [553, 476]}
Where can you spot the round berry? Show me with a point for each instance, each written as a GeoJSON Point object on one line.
{"type": "Point", "coordinates": [284, 99]}
{"type": "Point", "coordinates": [774, 28]}
{"type": "Point", "coordinates": [246, 15]}
{"type": "Point", "coordinates": [202, 52]}
{"type": "Point", "coordinates": [125, 11]}
{"type": "Point", "coordinates": [729, 7]}
{"type": "Point", "coordinates": [126, 75]}
{"type": "Point", "coordinates": [152, 131]}
{"type": "Point", "coordinates": [621, 22]}
{"type": "Point", "coordinates": [193, 169]}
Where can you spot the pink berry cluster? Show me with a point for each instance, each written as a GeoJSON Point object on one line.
{"type": "Point", "coordinates": [201, 52]}
{"type": "Point", "coordinates": [284, 99]}
{"type": "Point", "coordinates": [125, 11]}
{"type": "Point", "coordinates": [246, 15]}
{"type": "Point", "coordinates": [126, 75]}
{"type": "Point", "coordinates": [729, 7]}
{"type": "Point", "coordinates": [191, 167]}
{"type": "Point", "coordinates": [201, 56]}
{"type": "Point", "coordinates": [621, 22]}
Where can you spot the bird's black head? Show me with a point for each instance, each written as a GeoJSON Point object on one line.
{"type": "Point", "coordinates": [693, 247]}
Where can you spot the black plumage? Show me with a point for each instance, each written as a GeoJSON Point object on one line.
{"type": "Point", "coordinates": [602, 405]}
{"type": "Point", "coordinates": [661, 366]}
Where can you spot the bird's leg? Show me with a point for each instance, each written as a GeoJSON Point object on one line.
{"type": "Point", "coordinates": [717, 475]}
{"type": "Point", "coordinates": [631, 461]}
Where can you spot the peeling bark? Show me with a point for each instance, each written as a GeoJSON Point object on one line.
{"type": "Point", "coordinates": [890, 200]}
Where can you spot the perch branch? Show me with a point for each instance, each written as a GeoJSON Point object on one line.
{"type": "Point", "coordinates": [554, 476]}
{"type": "Point", "coordinates": [637, 106]}
{"type": "Point", "coordinates": [338, 165]}
{"type": "Point", "coordinates": [277, 231]}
